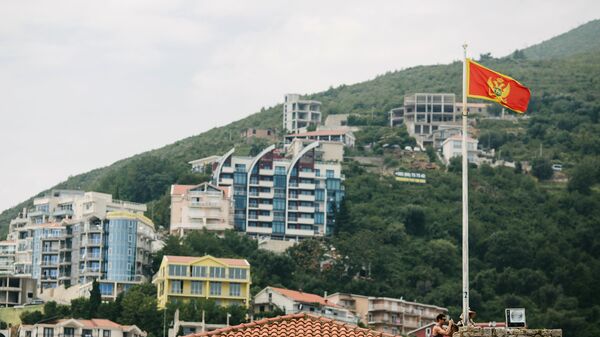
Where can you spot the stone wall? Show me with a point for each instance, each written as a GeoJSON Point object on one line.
{"type": "Point", "coordinates": [504, 332]}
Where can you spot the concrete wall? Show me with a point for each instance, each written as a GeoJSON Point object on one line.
{"type": "Point", "coordinates": [503, 332]}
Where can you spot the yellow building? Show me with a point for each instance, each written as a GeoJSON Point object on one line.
{"type": "Point", "coordinates": [227, 281]}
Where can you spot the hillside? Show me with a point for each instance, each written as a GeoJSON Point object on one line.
{"type": "Point", "coordinates": [579, 40]}
{"type": "Point", "coordinates": [534, 243]}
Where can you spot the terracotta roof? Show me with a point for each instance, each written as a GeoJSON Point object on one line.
{"type": "Point", "coordinates": [295, 325]}
{"type": "Point", "coordinates": [95, 323]}
{"type": "Point", "coordinates": [190, 259]}
{"type": "Point", "coordinates": [181, 189]}
{"type": "Point", "coordinates": [299, 296]}
{"type": "Point", "coordinates": [320, 133]}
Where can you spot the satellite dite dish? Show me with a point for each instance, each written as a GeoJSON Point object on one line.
{"type": "Point", "coordinates": [515, 317]}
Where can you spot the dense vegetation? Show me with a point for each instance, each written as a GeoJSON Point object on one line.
{"type": "Point", "coordinates": [533, 244]}
{"type": "Point", "coordinates": [581, 39]}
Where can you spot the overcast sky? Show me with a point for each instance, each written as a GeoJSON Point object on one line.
{"type": "Point", "coordinates": [86, 83]}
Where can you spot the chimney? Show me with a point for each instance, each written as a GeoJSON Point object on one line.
{"type": "Point", "coordinates": [325, 296]}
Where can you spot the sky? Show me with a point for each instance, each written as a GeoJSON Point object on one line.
{"type": "Point", "coordinates": [86, 83]}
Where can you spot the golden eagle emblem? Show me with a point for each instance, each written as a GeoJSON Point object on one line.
{"type": "Point", "coordinates": [498, 90]}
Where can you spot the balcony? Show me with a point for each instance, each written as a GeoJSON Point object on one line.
{"type": "Point", "coordinates": [266, 183]}
{"type": "Point", "coordinates": [265, 218]}
{"type": "Point", "coordinates": [266, 172]}
{"type": "Point", "coordinates": [305, 186]}
{"type": "Point", "coordinates": [307, 174]}
{"type": "Point", "coordinates": [50, 250]}
{"type": "Point", "coordinates": [266, 195]}
{"type": "Point", "coordinates": [306, 221]}
{"type": "Point", "coordinates": [305, 209]}
{"type": "Point", "coordinates": [226, 181]}
{"type": "Point", "coordinates": [306, 197]}
{"type": "Point", "coordinates": [206, 204]}
{"type": "Point", "coordinates": [227, 169]}
{"type": "Point", "coordinates": [267, 207]}
{"type": "Point", "coordinates": [63, 212]}
{"type": "Point", "coordinates": [259, 230]}
{"type": "Point", "coordinates": [299, 232]}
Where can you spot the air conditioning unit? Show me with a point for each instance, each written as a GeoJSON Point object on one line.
{"type": "Point", "coordinates": [515, 317]}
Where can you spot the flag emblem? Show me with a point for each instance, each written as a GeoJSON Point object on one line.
{"type": "Point", "coordinates": [498, 90]}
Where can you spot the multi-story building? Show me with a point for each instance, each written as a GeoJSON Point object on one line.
{"type": "Point", "coordinates": [452, 147]}
{"type": "Point", "coordinates": [298, 113]}
{"type": "Point", "coordinates": [293, 302]}
{"type": "Point", "coordinates": [71, 327]}
{"type": "Point", "coordinates": [283, 196]}
{"type": "Point", "coordinates": [72, 237]}
{"type": "Point", "coordinates": [16, 290]}
{"type": "Point", "coordinates": [200, 207]}
{"type": "Point", "coordinates": [424, 113]}
{"type": "Point", "coordinates": [390, 315]}
{"type": "Point", "coordinates": [227, 281]}
{"type": "Point", "coordinates": [7, 256]}
{"type": "Point", "coordinates": [342, 135]}
{"type": "Point", "coordinates": [474, 108]}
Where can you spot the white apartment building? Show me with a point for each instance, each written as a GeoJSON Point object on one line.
{"type": "Point", "coordinates": [452, 147]}
{"type": "Point", "coordinates": [71, 327]}
{"type": "Point", "coordinates": [284, 195]}
{"type": "Point", "coordinates": [293, 302]}
{"type": "Point", "coordinates": [7, 256]}
{"type": "Point", "coordinates": [199, 207]}
{"type": "Point", "coordinates": [74, 237]}
{"type": "Point", "coordinates": [298, 113]}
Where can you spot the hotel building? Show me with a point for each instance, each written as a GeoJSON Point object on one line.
{"type": "Point", "coordinates": [181, 278]}
{"type": "Point", "coordinates": [284, 196]}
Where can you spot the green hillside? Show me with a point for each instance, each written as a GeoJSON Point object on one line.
{"type": "Point", "coordinates": [534, 242]}
{"type": "Point", "coordinates": [585, 38]}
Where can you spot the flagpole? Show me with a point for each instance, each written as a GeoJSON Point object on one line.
{"type": "Point", "coordinates": [465, 197]}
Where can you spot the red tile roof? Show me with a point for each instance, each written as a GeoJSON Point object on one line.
{"type": "Point", "coordinates": [95, 323]}
{"type": "Point", "coordinates": [181, 189]}
{"type": "Point", "coordinates": [295, 325]}
{"type": "Point", "coordinates": [190, 259]}
{"type": "Point", "coordinates": [299, 296]}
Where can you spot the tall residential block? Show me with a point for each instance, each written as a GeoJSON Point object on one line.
{"type": "Point", "coordinates": [182, 278]}
{"type": "Point", "coordinates": [74, 237]}
{"type": "Point", "coordinates": [200, 207]}
{"type": "Point", "coordinates": [299, 113]}
{"type": "Point", "coordinates": [390, 315]}
{"type": "Point", "coordinates": [284, 195]}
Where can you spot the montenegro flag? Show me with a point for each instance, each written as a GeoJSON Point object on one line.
{"type": "Point", "coordinates": [485, 83]}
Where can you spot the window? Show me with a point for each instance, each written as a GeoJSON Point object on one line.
{"type": "Point", "coordinates": [235, 289]}
{"type": "Point", "coordinates": [217, 272]}
{"type": "Point", "coordinates": [48, 332]}
{"type": "Point", "coordinates": [69, 332]}
{"type": "Point", "coordinates": [177, 287]}
{"type": "Point", "coordinates": [237, 273]}
{"type": "Point", "coordinates": [215, 288]}
{"type": "Point", "coordinates": [198, 271]}
{"type": "Point", "coordinates": [329, 174]}
{"type": "Point", "coordinates": [105, 333]}
{"type": "Point", "coordinates": [86, 333]}
{"type": "Point", "coordinates": [177, 270]}
{"type": "Point", "coordinates": [197, 287]}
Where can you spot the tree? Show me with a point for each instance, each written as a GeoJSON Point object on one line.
{"type": "Point", "coordinates": [95, 299]}
{"type": "Point", "coordinates": [542, 168]}
{"type": "Point", "coordinates": [583, 177]}
{"type": "Point", "coordinates": [31, 317]}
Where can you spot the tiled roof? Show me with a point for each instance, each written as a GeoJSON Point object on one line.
{"type": "Point", "coordinates": [299, 296]}
{"type": "Point", "coordinates": [190, 259]}
{"type": "Point", "coordinates": [295, 325]}
{"type": "Point", "coordinates": [181, 189]}
{"type": "Point", "coordinates": [95, 323]}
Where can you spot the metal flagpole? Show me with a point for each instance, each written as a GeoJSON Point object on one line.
{"type": "Point", "coordinates": [465, 197]}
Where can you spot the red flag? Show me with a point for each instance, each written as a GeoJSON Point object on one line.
{"type": "Point", "coordinates": [485, 83]}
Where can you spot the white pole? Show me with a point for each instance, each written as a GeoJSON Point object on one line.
{"type": "Point", "coordinates": [465, 197]}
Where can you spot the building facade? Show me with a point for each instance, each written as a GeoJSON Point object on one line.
{"type": "Point", "coordinates": [200, 207]}
{"type": "Point", "coordinates": [80, 328]}
{"type": "Point", "coordinates": [298, 114]}
{"type": "Point", "coordinates": [72, 237]}
{"type": "Point", "coordinates": [294, 302]}
{"type": "Point", "coordinates": [424, 113]}
{"type": "Point", "coordinates": [283, 196]}
{"type": "Point", "coordinates": [389, 315]}
{"type": "Point", "coordinates": [452, 147]}
{"type": "Point", "coordinates": [343, 135]}
{"type": "Point", "coordinates": [253, 133]}
{"type": "Point", "coordinates": [7, 256]}
{"type": "Point", "coordinates": [181, 278]}
{"type": "Point", "coordinates": [16, 290]}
